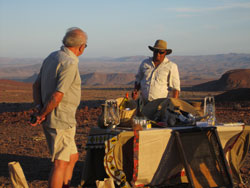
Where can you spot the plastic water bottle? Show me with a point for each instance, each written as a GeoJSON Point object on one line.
{"type": "Point", "coordinates": [209, 110]}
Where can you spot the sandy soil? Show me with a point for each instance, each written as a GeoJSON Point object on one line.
{"type": "Point", "coordinates": [21, 142]}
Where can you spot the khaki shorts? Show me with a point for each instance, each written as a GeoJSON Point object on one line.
{"type": "Point", "coordinates": [61, 142]}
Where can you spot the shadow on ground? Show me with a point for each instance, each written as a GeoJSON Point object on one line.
{"type": "Point", "coordinates": [35, 168]}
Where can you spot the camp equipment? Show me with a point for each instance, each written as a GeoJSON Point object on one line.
{"type": "Point", "coordinates": [111, 113]}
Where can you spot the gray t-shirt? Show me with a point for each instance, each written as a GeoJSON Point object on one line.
{"type": "Point", "coordinates": [60, 72]}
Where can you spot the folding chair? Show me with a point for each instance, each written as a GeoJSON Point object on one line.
{"type": "Point", "coordinates": [202, 155]}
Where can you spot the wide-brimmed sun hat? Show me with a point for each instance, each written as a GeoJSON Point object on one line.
{"type": "Point", "coordinates": [160, 45]}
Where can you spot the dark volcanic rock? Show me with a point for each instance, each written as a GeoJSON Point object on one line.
{"type": "Point", "coordinates": [242, 94]}
{"type": "Point", "coordinates": [233, 79]}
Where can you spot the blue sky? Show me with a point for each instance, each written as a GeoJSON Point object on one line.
{"type": "Point", "coordinates": [116, 28]}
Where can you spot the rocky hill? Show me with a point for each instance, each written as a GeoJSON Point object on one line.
{"type": "Point", "coordinates": [233, 79]}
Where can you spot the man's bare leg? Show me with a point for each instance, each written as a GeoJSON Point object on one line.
{"type": "Point", "coordinates": [57, 174]}
{"type": "Point", "coordinates": [70, 168]}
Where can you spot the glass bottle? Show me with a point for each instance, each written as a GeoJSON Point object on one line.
{"type": "Point", "coordinates": [122, 106]}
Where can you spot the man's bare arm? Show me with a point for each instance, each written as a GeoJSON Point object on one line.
{"type": "Point", "coordinates": [175, 93]}
{"type": "Point", "coordinates": [53, 102]}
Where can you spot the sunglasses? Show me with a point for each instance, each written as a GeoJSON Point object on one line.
{"type": "Point", "coordinates": [158, 51]}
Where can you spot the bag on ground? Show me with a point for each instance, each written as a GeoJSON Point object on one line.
{"type": "Point", "coordinates": [107, 183]}
{"type": "Point", "coordinates": [17, 177]}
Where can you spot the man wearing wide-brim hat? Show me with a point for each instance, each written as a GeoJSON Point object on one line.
{"type": "Point", "coordinates": [157, 75]}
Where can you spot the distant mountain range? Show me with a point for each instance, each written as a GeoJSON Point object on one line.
{"type": "Point", "coordinates": [117, 71]}
{"type": "Point", "coordinates": [237, 79]}
{"type": "Point", "coordinates": [107, 79]}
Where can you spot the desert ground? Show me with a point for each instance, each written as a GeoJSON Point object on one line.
{"type": "Point", "coordinates": [27, 145]}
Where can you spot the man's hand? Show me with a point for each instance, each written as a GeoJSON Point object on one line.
{"type": "Point", "coordinates": [53, 102]}
{"type": "Point", "coordinates": [36, 120]}
{"type": "Point", "coordinates": [33, 117]}
{"type": "Point", "coordinates": [135, 94]}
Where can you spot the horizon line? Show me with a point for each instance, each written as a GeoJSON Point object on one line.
{"type": "Point", "coordinates": [108, 57]}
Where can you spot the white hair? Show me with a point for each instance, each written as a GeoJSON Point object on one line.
{"type": "Point", "coordinates": [74, 37]}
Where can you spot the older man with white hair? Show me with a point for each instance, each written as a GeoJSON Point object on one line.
{"type": "Point", "coordinates": [57, 90]}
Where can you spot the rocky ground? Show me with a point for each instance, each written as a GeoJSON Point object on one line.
{"type": "Point", "coordinates": [26, 144]}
